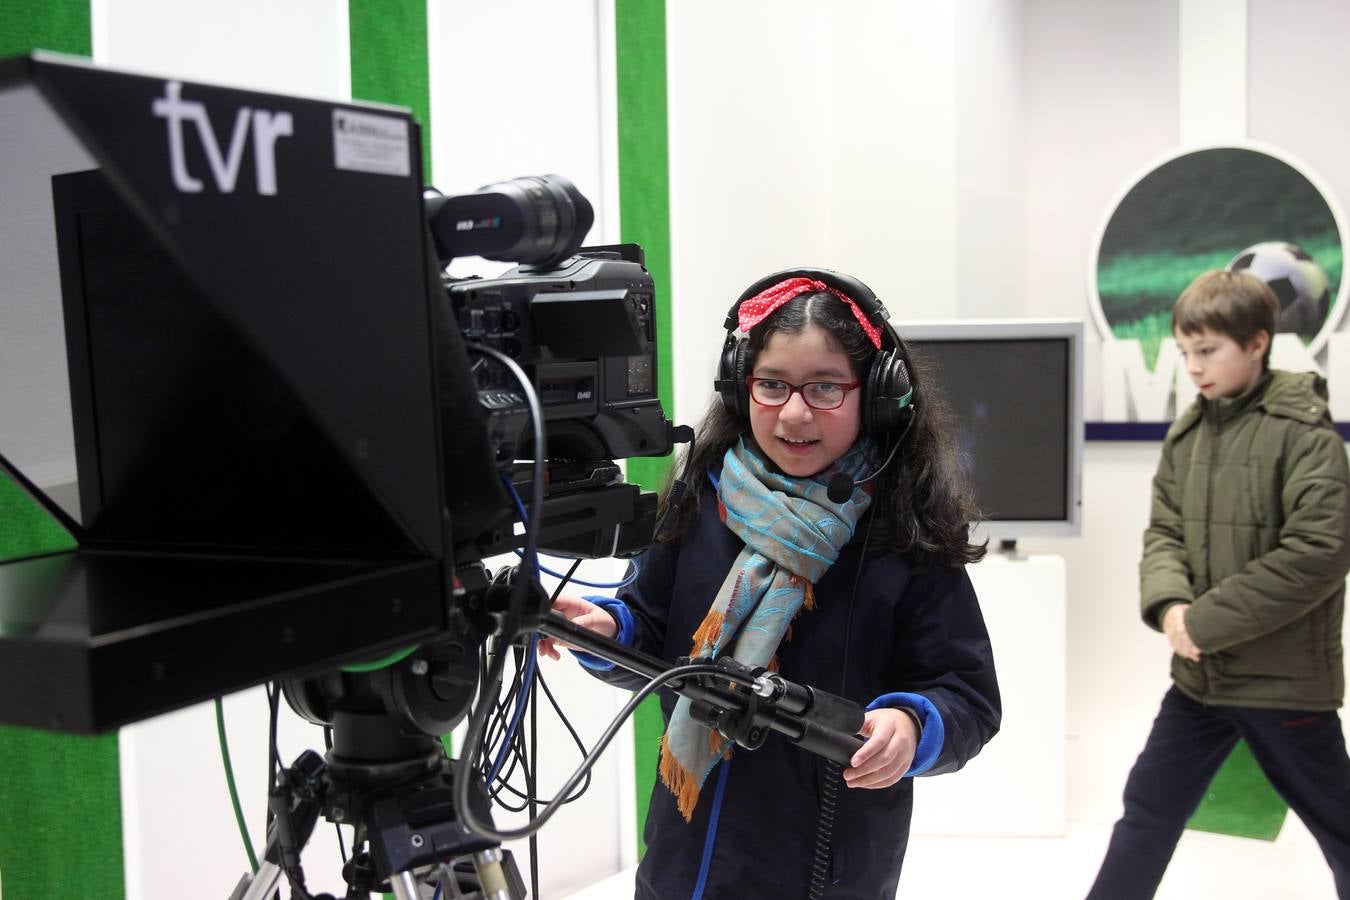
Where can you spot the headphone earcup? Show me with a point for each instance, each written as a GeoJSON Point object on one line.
{"type": "Point", "coordinates": [731, 375]}
{"type": "Point", "coordinates": [889, 398]}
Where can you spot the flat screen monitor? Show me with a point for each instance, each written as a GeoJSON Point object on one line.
{"type": "Point", "coordinates": [1014, 388]}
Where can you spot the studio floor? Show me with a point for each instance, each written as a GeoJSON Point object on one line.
{"type": "Point", "coordinates": [1205, 866]}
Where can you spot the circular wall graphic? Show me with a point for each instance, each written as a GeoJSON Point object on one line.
{"type": "Point", "coordinates": [1204, 209]}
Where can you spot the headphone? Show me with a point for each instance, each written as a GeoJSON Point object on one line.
{"type": "Point", "coordinates": [888, 399]}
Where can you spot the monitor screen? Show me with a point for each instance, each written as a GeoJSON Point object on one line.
{"type": "Point", "coordinates": [1012, 388]}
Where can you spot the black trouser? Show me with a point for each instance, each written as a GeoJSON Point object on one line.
{"type": "Point", "coordinates": [1302, 753]}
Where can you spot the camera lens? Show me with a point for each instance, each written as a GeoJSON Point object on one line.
{"type": "Point", "coordinates": [536, 220]}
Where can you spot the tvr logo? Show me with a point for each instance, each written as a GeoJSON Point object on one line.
{"type": "Point", "coordinates": [267, 128]}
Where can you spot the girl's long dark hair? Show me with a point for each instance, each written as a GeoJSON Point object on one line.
{"type": "Point", "coordinates": [921, 502]}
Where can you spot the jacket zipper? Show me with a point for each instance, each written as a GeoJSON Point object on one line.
{"type": "Point", "coordinates": [1209, 537]}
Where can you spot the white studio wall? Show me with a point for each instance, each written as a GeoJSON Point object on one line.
{"type": "Point", "coordinates": [991, 162]}
{"type": "Point", "coordinates": [1101, 95]}
{"type": "Point", "coordinates": [298, 47]}
{"type": "Point", "coordinates": [524, 88]}
{"type": "Point", "coordinates": [808, 134]}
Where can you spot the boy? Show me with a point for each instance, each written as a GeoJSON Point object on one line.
{"type": "Point", "coordinates": [1244, 567]}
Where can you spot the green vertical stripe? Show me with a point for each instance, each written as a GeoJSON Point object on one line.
{"type": "Point", "coordinates": [390, 64]}
{"type": "Point", "coordinates": [390, 60]}
{"type": "Point", "coordinates": [644, 211]}
{"type": "Point", "coordinates": [61, 830]}
{"type": "Point", "coordinates": [61, 25]}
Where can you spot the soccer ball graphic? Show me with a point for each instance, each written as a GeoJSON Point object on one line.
{"type": "Point", "coordinates": [1298, 281]}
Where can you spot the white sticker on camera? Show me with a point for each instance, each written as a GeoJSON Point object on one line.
{"type": "Point", "coordinates": [363, 142]}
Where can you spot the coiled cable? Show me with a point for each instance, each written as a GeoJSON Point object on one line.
{"type": "Point", "coordinates": [829, 801]}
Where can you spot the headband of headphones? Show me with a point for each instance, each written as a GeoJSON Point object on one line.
{"type": "Point", "coordinates": [767, 294]}
{"type": "Point", "coordinates": [756, 309]}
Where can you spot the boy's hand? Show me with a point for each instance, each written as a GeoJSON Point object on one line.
{"type": "Point", "coordinates": [580, 612]}
{"type": "Point", "coordinates": [1174, 626]}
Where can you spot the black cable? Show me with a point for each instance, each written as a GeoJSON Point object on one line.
{"type": "Point", "coordinates": [675, 496]}
{"type": "Point", "coordinates": [462, 788]}
{"type": "Point", "coordinates": [271, 745]}
{"type": "Point", "coordinates": [516, 602]}
{"type": "Point", "coordinates": [829, 801]}
{"type": "Point", "coordinates": [517, 753]}
{"type": "Point", "coordinates": [576, 740]}
{"type": "Point", "coordinates": [829, 788]}
{"type": "Point", "coordinates": [530, 782]}
{"type": "Point", "coordinates": [852, 600]}
{"type": "Point", "coordinates": [328, 745]}
{"type": "Point", "coordinates": [273, 757]}
{"type": "Point", "coordinates": [500, 719]}
{"type": "Point", "coordinates": [530, 796]}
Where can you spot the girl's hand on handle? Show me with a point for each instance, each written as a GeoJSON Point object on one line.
{"type": "Point", "coordinates": [579, 612]}
{"type": "Point", "coordinates": [892, 739]}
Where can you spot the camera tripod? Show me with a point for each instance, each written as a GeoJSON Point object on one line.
{"type": "Point", "coordinates": [390, 779]}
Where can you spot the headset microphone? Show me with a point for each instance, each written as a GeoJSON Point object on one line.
{"type": "Point", "coordinates": [841, 486]}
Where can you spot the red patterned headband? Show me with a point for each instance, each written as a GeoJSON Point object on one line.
{"type": "Point", "coordinates": [759, 307]}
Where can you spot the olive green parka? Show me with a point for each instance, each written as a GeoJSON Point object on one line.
{"type": "Point", "coordinates": [1250, 526]}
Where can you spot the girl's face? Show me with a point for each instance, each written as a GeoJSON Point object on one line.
{"type": "Point", "coordinates": [1219, 365]}
{"type": "Point", "coordinates": [799, 439]}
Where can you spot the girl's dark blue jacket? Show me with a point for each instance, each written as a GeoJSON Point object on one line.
{"type": "Point", "coordinates": [914, 631]}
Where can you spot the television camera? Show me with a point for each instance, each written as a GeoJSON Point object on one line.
{"type": "Point", "coordinates": [269, 420]}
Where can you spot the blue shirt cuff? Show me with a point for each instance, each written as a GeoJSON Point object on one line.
{"type": "Point", "coordinates": [624, 616]}
{"type": "Point", "coordinates": [931, 736]}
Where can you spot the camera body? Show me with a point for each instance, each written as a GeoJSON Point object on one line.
{"type": "Point", "coordinates": [585, 334]}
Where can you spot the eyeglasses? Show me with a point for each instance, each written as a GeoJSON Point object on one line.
{"type": "Point", "coordinates": [817, 394]}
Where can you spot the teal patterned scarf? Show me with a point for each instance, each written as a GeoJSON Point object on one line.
{"type": "Point", "coordinates": [793, 533]}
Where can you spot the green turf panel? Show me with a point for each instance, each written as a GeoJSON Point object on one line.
{"type": "Point", "coordinates": [644, 211]}
{"type": "Point", "coordinates": [61, 825]}
{"type": "Point", "coordinates": [390, 60]}
{"type": "Point", "coordinates": [60, 25]}
{"type": "Point", "coordinates": [390, 64]}
{"type": "Point", "coordinates": [61, 830]}
{"type": "Point", "coordinates": [1137, 290]}
{"type": "Point", "coordinates": [644, 179]}
{"type": "Point", "coordinates": [25, 527]}
{"type": "Point", "coordinates": [1240, 800]}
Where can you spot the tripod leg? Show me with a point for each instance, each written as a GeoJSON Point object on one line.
{"type": "Point", "coordinates": [450, 882]}
{"type": "Point", "coordinates": [404, 886]}
{"type": "Point", "coordinates": [262, 884]}
{"type": "Point", "coordinates": [491, 879]}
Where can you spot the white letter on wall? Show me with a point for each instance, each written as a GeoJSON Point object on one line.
{"type": "Point", "coordinates": [1130, 392]}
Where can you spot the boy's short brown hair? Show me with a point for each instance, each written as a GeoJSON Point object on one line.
{"type": "Point", "coordinates": [1236, 304]}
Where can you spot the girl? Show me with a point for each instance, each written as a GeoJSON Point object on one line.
{"type": "Point", "coordinates": [825, 536]}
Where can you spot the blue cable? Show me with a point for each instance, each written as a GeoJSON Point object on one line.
{"type": "Point", "coordinates": [710, 839]}
{"type": "Point", "coordinates": [526, 683]}
{"type": "Point", "coordinates": [524, 519]}
{"type": "Point", "coordinates": [627, 579]}
{"type": "Point", "coordinates": [527, 675]}
{"type": "Point", "coordinates": [538, 567]}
